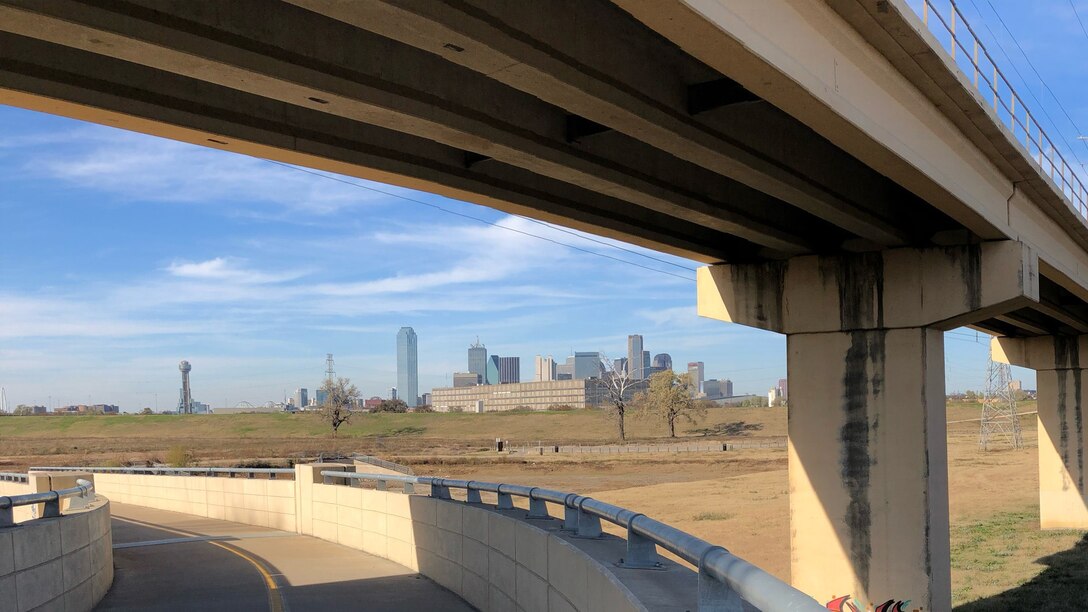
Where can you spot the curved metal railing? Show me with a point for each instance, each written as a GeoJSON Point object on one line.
{"type": "Point", "coordinates": [51, 499]}
{"type": "Point", "coordinates": [172, 471]}
{"type": "Point", "coordinates": [389, 465]}
{"type": "Point", "coordinates": [722, 575]}
{"type": "Point", "coordinates": [968, 52]}
{"type": "Point", "coordinates": [13, 477]}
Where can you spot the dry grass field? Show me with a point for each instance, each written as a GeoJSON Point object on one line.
{"type": "Point", "coordinates": [1001, 560]}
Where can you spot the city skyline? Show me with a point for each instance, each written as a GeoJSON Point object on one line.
{"type": "Point", "coordinates": [139, 252]}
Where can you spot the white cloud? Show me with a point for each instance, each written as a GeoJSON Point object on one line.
{"type": "Point", "coordinates": [227, 269]}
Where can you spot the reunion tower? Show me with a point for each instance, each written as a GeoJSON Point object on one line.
{"type": "Point", "coordinates": [186, 395]}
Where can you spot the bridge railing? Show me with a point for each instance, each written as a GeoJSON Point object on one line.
{"type": "Point", "coordinates": [51, 499]}
{"type": "Point", "coordinates": [953, 31]}
{"type": "Point", "coordinates": [271, 473]}
{"type": "Point", "coordinates": [389, 465]}
{"type": "Point", "coordinates": [723, 577]}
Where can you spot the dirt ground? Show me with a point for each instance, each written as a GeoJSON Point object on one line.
{"type": "Point", "coordinates": [738, 499]}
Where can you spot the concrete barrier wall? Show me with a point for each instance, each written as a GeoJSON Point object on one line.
{"type": "Point", "coordinates": [267, 503]}
{"type": "Point", "coordinates": [63, 563]}
{"type": "Point", "coordinates": [7, 489]}
{"type": "Point", "coordinates": [493, 561]}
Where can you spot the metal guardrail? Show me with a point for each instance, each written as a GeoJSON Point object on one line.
{"type": "Point", "coordinates": [723, 577]}
{"type": "Point", "coordinates": [13, 477]}
{"type": "Point", "coordinates": [1008, 105]}
{"type": "Point", "coordinates": [389, 465]}
{"type": "Point", "coordinates": [51, 499]}
{"type": "Point", "coordinates": [171, 471]}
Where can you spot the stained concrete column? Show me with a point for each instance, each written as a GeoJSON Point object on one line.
{"type": "Point", "coordinates": [1061, 371]}
{"type": "Point", "coordinates": [867, 447]}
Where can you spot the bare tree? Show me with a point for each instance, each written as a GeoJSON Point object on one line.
{"type": "Point", "coordinates": [618, 388]}
{"type": "Point", "coordinates": [671, 397]}
{"type": "Point", "coordinates": [340, 394]}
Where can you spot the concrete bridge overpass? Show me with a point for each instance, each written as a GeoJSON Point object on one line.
{"type": "Point", "coordinates": [849, 183]}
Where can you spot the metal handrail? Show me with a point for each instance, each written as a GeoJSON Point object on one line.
{"type": "Point", "coordinates": [13, 477]}
{"type": "Point", "coordinates": [389, 465]}
{"type": "Point", "coordinates": [51, 499]}
{"type": "Point", "coordinates": [1027, 131]}
{"type": "Point", "coordinates": [721, 573]}
{"type": "Point", "coordinates": [186, 471]}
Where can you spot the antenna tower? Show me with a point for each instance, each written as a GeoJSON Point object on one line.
{"type": "Point", "coordinates": [999, 418]}
{"type": "Point", "coordinates": [3, 400]}
{"type": "Point", "coordinates": [330, 371]}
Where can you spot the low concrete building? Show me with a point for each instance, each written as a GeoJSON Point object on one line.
{"type": "Point", "coordinates": [539, 395]}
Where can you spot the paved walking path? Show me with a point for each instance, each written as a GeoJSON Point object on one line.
{"type": "Point", "coordinates": [173, 561]}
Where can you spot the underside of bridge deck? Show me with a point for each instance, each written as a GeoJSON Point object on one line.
{"type": "Point", "coordinates": [819, 155]}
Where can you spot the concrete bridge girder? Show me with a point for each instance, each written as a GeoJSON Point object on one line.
{"type": "Point", "coordinates": [867, 442]}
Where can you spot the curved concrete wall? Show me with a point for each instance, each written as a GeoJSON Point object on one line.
{"type": "Point", "coordinates": [492, 560]}
{"type": "Point", "coordinates": [63, 563]}
{"type": "Point", "coordinates": [267, 503]}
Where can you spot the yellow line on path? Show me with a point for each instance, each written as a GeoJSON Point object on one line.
{"type": "Point", "coordinates": [276, 602]}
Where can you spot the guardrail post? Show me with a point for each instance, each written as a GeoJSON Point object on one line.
{"type": "Point", "coordinates": [409, 488]}
{"type": "Point", "coordinates": [7, 517]}
{"type": "Point", "coordinates": [716, 596]}
{"type": "Point", "coordinates": [641, 552]}
{"type": "Point", "coordinates": [505, 501]}
{"type": "Point", "coordinates": [440, 491]}
{"type": "Point", "coordinates": [473, 496]}
{"type": "Point", "coordinates": [381, 485]}
{"type": "Point", "coordinates": [538, 509]}
{"type": "Point", "coordinates": [52, 508]}
{"type": "Point", "coordinates": [325, 479]}
{"type": "Point", "coordinates": [271, 475]}
{"type": "Point", "coordinates": [589, 526]}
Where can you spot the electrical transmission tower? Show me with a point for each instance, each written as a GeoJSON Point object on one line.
{"type": "Point", "coordinates": [330, 371]}
{"type": "Point", "coordinates": [999, 416]}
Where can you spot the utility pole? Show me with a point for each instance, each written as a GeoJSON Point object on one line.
{"type": "Point", "coordinates": [999, 407]}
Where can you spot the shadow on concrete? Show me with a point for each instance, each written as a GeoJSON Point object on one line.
{"type": "Point", "coordinates": [183, 576]}
{"type": "Point", "coordinates": [736, 428]}
{"type": "Point", "coordinates": [407, 593]}
{"type": "Point", "coordinates": [1062, 586]}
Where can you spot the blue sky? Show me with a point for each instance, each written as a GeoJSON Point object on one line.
{"type": "Point", "coordinates": [123, 254]}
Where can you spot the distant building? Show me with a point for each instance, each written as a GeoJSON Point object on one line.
{"type": "Point", "coordinates": [774, 396]}
{"type": "Point", "coordinates": [645, 364]}
{"type": "Point", "coordinates": [712, 388]}
{"type": "Point", "coordinates": [529, 395]}
{"type": "Point", "coordinates": [82, 409]}
{"type": "Point", "coordinates": [565, 371]}
{"type": "Point", "coordinates": [302, 397]}
{"type": "Point", "coordinates": [620, 364]}
{"type": "Point", "coordinates": [545, 368]}
{"type": "Point", "coordinates": [727, 388]}
{"type": "Point", "coordinates": [393, 393]}
{"type": "Point", "coordinates": [1016, 385]}
{"type": "Point", "coordinates": [425, 399]}
{"type": "Point", "coordinates": [408, 366]}
{"type": "Point", "coordinates": [695, 369]}
{"type": "Point", "coordinates": [319, 397]}
{"type": "Point", "coordinates": [509, 370]}
{"type": "Point", "coordinates": [663, 361]}
{"type": "Point", "coordinates": [466, 379]}
{"type": "Point", "coordinates": [784, 388]}
{"type": "Point", "coordinates": [492, 376]}
{"type": "Point", "coordinates": [477, 360]}
{"type": "Point", "coordinates": [371, 403]}
{"type": "Point", "coordinates": [634, 357]}
{"type": "Point", "coordinates": [586, 365]}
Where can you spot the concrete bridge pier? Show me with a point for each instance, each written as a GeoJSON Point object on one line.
{"type": "Point", "coordinates": [1063, 435]}
{"type": "Point", "coordinates": [867, 449]}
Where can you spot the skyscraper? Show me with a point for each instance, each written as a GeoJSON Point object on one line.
{"type": "Point", "coordinates": [509, 370]}
{"type": "Point", "coordinates": [302, 397]}
{"type": "Point", "coordinates": [185, 405]}
{"type": "Point", "coordinates": [545, 368]}
{"type": "Point", "coordinates": [492, 376]}
{"type": "Point", "coordinates": [695, 368]}
{"type": "Point", "coordinates": [587, 365]}
{"type": "Point", "coordinates": [407, 366]}
{"type": "Point", "coordinates": [663, 361]}
{"type": "Point", "coordinates": [477, 360]}
{"type": "Point", "coordinates": [634, 357]}
{"type": "Point", "coordinates": [727, 388]}
{"type": "Point", "coordinates": [645, 364]}
{"type": "Point", "coordinates": [620, 364]}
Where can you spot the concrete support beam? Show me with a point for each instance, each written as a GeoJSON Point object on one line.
{"type": "Point", "coordinates": [867, 455]}
{"type": "Point", "coordinates": [1063, 497]}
